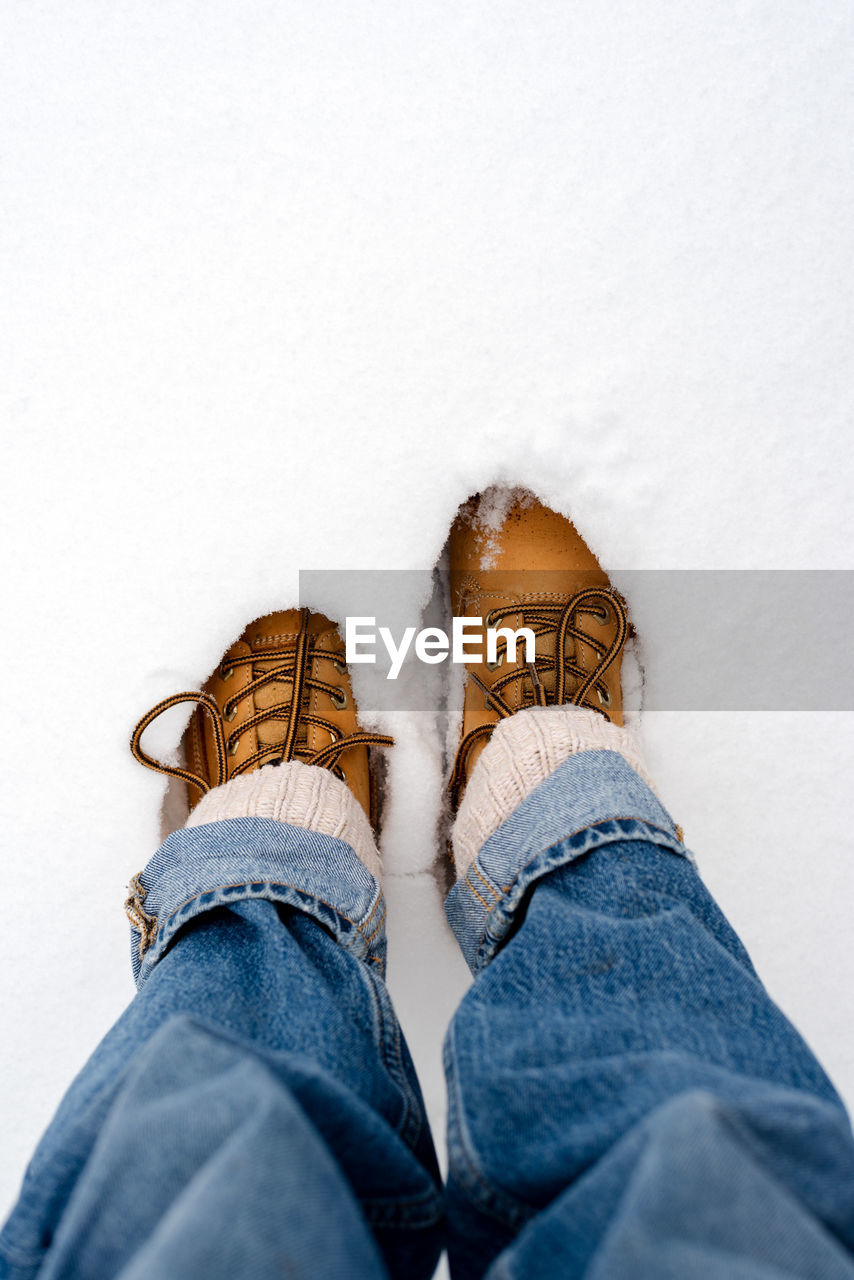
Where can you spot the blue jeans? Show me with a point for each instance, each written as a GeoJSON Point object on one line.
{"type": "Point", "coordinates": [624, 1098]}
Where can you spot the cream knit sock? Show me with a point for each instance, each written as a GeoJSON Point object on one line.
{"type": "Point", "coordinates": [301, 794]}
{"type": "Point", "coordinates": [521, 753]}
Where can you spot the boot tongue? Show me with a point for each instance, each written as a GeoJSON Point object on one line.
{"type": "Point", "coordinates": [281, 630]}
{"type": "Point", "coordinates": [277, 631]}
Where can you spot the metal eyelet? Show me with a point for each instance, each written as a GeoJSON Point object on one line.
{"type": "Point", "coordinates": [340, 667]}
{"type": "Point", "coordinates": [229, 713]}
{"type": "Point", "coordinates": [604, 617]}
{"type": "Point", "coordinates": [231, 747]}
{"type": "Point", "coordinates": [606, 701]}
{"type": "Point", "coordinates": [343, 777]}
{"type": "Point", "coordinates": [493, 666]}
{"type": "Point", "coordinates": [489, 619]}
{"type": "Point", "coordinates": [225, 673]}
{"type": "Point", "coordinates": [339, 699]}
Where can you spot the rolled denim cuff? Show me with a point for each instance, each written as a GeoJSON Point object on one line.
{"type": "Point", "coordinates": [594, 798]}
{"type": "Point", "coordinates": [238, 859]}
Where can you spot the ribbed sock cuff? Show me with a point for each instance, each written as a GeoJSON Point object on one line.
{"type": "Point", "coordinates": [303, 795]}
{"type": "Point", "coordinates": [521, 753]}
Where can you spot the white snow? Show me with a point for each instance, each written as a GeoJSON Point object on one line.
{"type": "Point", "coordinates": [284, 284]}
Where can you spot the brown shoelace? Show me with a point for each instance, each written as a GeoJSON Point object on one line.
{"type": "Point", "coordinates": [295, 665]}
{"type": "Point", "coordinates": [562, 621]}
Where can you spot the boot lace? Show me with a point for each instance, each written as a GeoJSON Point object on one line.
{"type": "Point", "coordinates": [294, 664]}
{"type": "Point", "coordinates": [563, 621]}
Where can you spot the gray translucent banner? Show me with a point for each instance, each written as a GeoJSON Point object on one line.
{"type": "Point", "coordinates": [706, 640]}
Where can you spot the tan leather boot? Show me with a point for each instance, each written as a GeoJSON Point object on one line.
{"type": "Point", "coordinates": [529, 567]}
{"type": "Point", "coordinates": [281, 692]}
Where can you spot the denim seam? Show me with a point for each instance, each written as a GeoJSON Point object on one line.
{"type": "Point", "coordinates": [389, 1046]}
{"type": "Point", "coordinates": [399, 1213]}
{"type": "Point", "coordinates": [488, 1198]}
{"type": "Point", "coordinates": [285, 884]}
{"type": "Point", "coordinates": [214, 888]}
{"type": "Point", "coordinates": [481, 900]}
{"type": "Point", "coordinates": [149, 960]}
{"type": "Point", "coordinates": [369, 917]}
{"type": "Point", "coordinates": [495, 893]}
{"type": "Point", "coordinates": [368, 937]}
{"type": "Point", "coordinates": [411, 1129]}
{"type": "Point", "coordinates": [589, 826]}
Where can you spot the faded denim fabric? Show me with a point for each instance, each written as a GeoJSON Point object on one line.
{"type": "Point", "coordinates": [624, 1098]}
{"type": "Point", "coordinates": [592, 800]}
{"type": "Point", "coordinates": [242, 859]}
{"type": "Point", "coordinates": [255, 1111]}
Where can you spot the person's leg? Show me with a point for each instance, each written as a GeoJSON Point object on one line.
{"type": "Point", "coordinates": [624, 1097]}
{"type": "Point", "coordinates": [255, 1111]}
{"type": "Point", "coordinates": [255, 1106]}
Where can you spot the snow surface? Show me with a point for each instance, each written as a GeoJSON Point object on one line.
{"type": "Point", "coordinates": [285, 283]}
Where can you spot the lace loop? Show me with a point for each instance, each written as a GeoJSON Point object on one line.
{"type": "Point", "coordinates": [208, 704]}
{"type": "Point", "coordinates": [293, 665]}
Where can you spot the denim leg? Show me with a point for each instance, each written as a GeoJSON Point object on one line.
{"type": "Point", "coordinates": [624, 1097]}
{"type": "Point", "coordinates": [254, 1111]}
